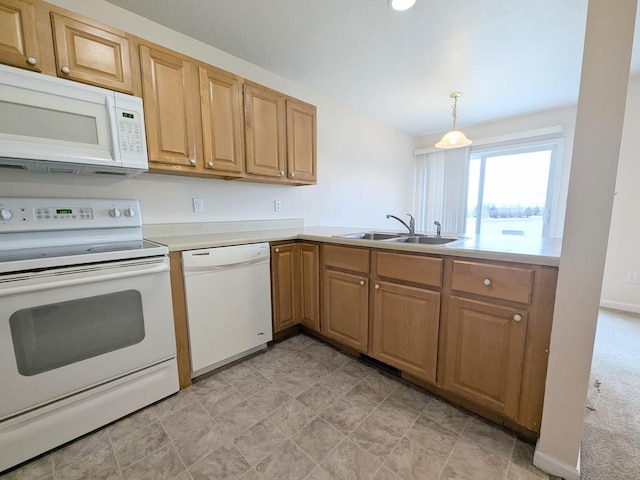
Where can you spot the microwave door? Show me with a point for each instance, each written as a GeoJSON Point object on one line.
{"type": "Point", "coordinates": [51, 126]}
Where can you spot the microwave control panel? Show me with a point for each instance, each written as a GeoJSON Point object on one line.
{"type": "Point", "coordinates": [130, 132]}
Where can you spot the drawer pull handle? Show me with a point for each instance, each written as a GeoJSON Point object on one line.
{"type": "Point", "coordinates": [487, 282]}
{"type": "Point", "coordinates": [277, 250]}
{"type": "Point", "coordinates": [361, 282]}
{"type": "Point", "coordinates": [192, 161]}
{"type": "Point", "coordinates": [65, 70]}
{"type": "Point", "coordinates": [377, 286]}
{"type": "Point", "coordinates": [31, 61]}
{"type": "Point", "coordinates": [517, 317]}
{"type": "Point", "coordinates": [210, 164]}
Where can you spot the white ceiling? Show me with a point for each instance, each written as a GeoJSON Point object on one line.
{"type": "Point", "coordinates": [507, 57]}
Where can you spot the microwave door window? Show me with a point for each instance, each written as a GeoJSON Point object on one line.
{"type": "Point", "coordinates": [51, 336]}
{"type": "Point", "coordinates": [30, 121]}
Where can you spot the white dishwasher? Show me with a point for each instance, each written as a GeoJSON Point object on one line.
{"type": "Point", "coordinates": [228, 299]}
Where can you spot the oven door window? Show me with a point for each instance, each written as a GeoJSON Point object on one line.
{"type": "Point", "coordinates": [47, 337]}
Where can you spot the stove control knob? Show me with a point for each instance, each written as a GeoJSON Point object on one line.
{"type": "Point", "coordinates": [129, 212]}
{"type": "Point", "coordinates": [115, 212]}
{"type": "Point", "coordinates": [5, 214]}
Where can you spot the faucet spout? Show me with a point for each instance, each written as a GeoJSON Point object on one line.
{"type": "Point", "coordinates": [438, 228]}
{"type": "Point", "coordinates": [411, 226]}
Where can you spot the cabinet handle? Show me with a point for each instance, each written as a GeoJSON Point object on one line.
{"type": "Point", "coordinates": [361, 282]}
{"type": "Point", "coordinates": [487, 281]}
{"type": "Point", "coordinates": [277, 250]}
{"type": "Point", "coordinates": [31, 61]}
{"type": "Point", "coordinates": [210, 164]}
{"type": "Point", "coordinates": [65, 70]}
{"type": "Point", "coordinates": [281, 173]}
{"type": "Point", "coordinates": [192, 161]}
{"type": "Point", "coordinates": [517, 317]}
{"type": "Point", "coordinates": [377, 286]}
{"type": "Point", "coordinates": [292, 174]}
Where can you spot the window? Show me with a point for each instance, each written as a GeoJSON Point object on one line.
{"type": "Point", "coordinates": [510, 189]}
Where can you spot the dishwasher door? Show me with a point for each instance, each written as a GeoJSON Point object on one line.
{"type": "Point", "coordinates": [228, 300]}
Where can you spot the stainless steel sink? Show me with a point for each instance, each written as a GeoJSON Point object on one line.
{"type": "Point", "coordinates": [427, 240]}
{"type": "Point", "coordinates": [398, 237]}
{"type": "Point", "coordinates": [372, 236]}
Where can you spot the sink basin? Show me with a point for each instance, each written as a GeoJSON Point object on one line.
{"type": "Point", "coordinates": [399, 237]}
{"type": "Point", "coordinates": [428, 240]}
{"type": "Point", "coordinates": [372, 236]}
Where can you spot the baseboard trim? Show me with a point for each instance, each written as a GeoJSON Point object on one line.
{"type": "Point", "coordinates": [625, 307]}
{"type": "Point", "coordinates": [553, 466]}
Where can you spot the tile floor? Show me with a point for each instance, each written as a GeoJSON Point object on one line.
{"type": "Point", "coordinates": [300, 410]}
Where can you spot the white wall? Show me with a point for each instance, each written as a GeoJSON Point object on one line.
{"type": "Point", "coordinates": [365, 168]}
{"type": "Point", "coordinates": [623, 254]}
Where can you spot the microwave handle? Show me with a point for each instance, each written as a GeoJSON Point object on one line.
{"type": "Point", "coordinates": [115, 142]}
{"type": "Point", "coordinates": [163, 267]}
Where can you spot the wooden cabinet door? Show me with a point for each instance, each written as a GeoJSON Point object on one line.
{"type": "Point", "coordinates": [168, 109]}
{"type": "Point", "coordinates": [301, 141]}
{"type": "Point", "coordinates": [346, 308]}
{"type": "Point", "coordinates": [18, 40]}
{"type": "Point", "coordinates": [309, 286]}
{"type": "Point", "coordinates": [92, 53]}
{"type": "Point", "coordinates": [222, 121]}
{"type": "Point", "coordinates": [484, 353]}
{"type": "Point", "coordinates": [284, 276]}
{"type": "Point", "coordinates": [264, 131]}
{"type": "Point", "coordinates": [405, 328]}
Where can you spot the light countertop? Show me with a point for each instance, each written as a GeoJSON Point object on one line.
{"type": "Point", "coordinates": [537, 251]}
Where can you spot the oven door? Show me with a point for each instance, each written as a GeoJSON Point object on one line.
{"type": "Point", "coordinates": [66, 330]}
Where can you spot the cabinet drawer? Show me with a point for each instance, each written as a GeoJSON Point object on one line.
{"type": "Point", "coordinates": [496, 281]}
{"type": "Point", "coordinates": [409, 268]}
{"type": "Point", "coordinates": [346, 258]}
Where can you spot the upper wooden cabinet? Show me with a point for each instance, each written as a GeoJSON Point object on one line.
{"type": "Point", "coordinates": [168, 109]}
{"type": "Point", "coordinates": [193, 114]}
{"type": "Point", "coordinates": [264, 113]}
{"type": "Point", "coordinates": [92, 53]}
{"type": "Point", "coordinates": [18, 40]}
{"type": "Point", "coordinates": [301, 141]}
{"type": "Point", "coordinates": [220, 96]}
{"type": "Point", "coordinates": [44, 38]}
{"type": "Point", "coordinates": [280, 136]}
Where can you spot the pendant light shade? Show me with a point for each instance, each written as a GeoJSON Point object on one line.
{"type": "Point", "coordinates": [454, 138]}
{"type": "Point", "coordinates": [401, 5]}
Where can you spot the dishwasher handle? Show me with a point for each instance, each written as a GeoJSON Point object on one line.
{"type": "Point", "coordinates": [204, 268]}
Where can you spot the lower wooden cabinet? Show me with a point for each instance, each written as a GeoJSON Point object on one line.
{"type": "Point", "coordinates": [405, 323]}
{"type": "Point", "coordinates": [485, 353]}
{"type": "Point", "coordinates": [346, 308]}
{"type": "Point", "coordinates": [284, 284]}
{"type": "Point", "coordinates": [309, 285]}
{"type": "Point", "coordinates": [295, 285]}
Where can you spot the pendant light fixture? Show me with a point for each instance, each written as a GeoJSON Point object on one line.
{"type": "Point", "coordinates": [454, 138]}
{"type": "Point", "coordinates": [401, 5]}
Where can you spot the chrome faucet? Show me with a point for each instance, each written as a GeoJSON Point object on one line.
{"type": "Point", "coordinates": [438, 228]}
{"type": "Point", "coordinates": [411, 226]}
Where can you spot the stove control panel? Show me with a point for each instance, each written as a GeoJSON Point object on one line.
{"type": "Point", "coordinates": [37, 214]}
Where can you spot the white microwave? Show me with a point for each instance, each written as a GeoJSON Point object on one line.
{"type": "Point", "coordinates": [50, 124]}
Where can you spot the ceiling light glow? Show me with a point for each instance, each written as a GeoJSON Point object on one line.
{"type": "Point", "coordinates": [401, 5]}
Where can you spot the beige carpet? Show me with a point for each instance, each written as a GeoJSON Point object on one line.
{"type": "Point", "coordinates": [611, 438]}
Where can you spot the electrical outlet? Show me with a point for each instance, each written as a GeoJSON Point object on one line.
{"type": "Point", "coordinates": [632, 277]}
{"type": "Point", "coordinates": [198, 205]}
{"type": "Point", "coordinates": [277, 206]}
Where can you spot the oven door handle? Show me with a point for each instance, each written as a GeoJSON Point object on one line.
{"type": "Point", "coordinates": [4, 292]}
